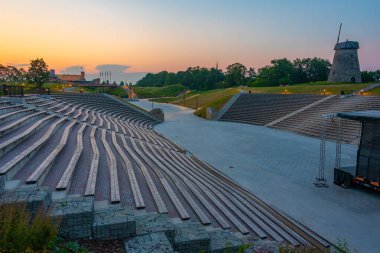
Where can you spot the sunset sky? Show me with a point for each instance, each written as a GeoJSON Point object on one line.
{"type": "Point", "coordinates": [142, 36]}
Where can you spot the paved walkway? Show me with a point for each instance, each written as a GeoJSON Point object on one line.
{"type": "Point", "coordinates": [280, 168]}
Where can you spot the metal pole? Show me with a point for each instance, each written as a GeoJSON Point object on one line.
{"type": "Point", "coordinates": [338, 143]}
{"type": "Point", "coordinates": [320, 180]}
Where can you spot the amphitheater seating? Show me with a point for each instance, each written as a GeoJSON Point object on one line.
{"type": "Point", "coordinates": [309, 122]}
{"type": "Point", "coordinates": [92, 145]}
{"type": "Point", "coordinates": [260, 109]}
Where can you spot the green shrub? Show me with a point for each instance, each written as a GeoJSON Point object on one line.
{"type": "Point", "coordinates": [19, 232]}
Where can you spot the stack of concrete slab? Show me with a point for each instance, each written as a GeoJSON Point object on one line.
{"type": "Point", "coordinates": [114, 223]}
{"type": "Point", "coordinates": [75, 216]}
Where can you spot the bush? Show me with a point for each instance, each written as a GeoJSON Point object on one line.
{"type": "Point", "coordinates": [19, 232]}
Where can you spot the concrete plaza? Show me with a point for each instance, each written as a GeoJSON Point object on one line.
{"type": "Point", "coordinates": [280, 168]}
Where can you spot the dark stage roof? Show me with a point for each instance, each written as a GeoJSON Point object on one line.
{"type": "Point", "coordinates": [366, 116]}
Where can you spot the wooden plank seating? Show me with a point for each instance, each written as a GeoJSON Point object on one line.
{"type": "Point", "coordinates": [5, 103]}
{"type": "Point", "coordinates": [142, 135]}
{"type": "Point", "coordinates": [234, 198]}
{"type": "Point", "coordinates": [15, 140]}
{"type": "Point", "coordinates": [54, 106]}
{"type": "Point", "coordinates": [70, 111]}
{"type": "Point", "coordinates": [279, 227]}
{"type": "Point", "coordinates": [207, 190]}
{"type": "Point", "coordinates": [177, 203]}
{"type": "Point", "coordinates": [62, 109]}
{"type": "Point", "coordinates": [10, 127]}
{"type": "Point", "coordinates": [91, 181]}
{"type": "Point", "coordinates": [10, 115]}
{"type": "Point", "coordinates": [108, 123]}
{"type": "Point", "coordinates": [67, 175]}
{"type": "Point", "coordinates": [12, 167]}
{"type": "Point", "coordinates": [161, 207]}
{"type": "Point", "coordinates": [86, 115]}
{"type": "Point", "coordinates": [38, 176]}
{"type": "Point", "coordinates": [100, 120]}
{"type": "Point", "coordinates": [168, 169]}
{"type": "Point", "coordinates": [120, 126]}
{"type": "Point", "coordinates": [79, 113]}
{"type": "Point", "coordinates": [139, 201]}
{"type": "Point", "coordinates": [47, 102]}
{"type": "Point", "coordinates": [116, 127]}
{"type": "Point", "coordinates": [9, 108]}
{"type": "Point", "coordinates": [115, 191]}
{"type": "Point", "coordinates": [129, 132]}
{"type": "Point", "coordinates": [93, 118]}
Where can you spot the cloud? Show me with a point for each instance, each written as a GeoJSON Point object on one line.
{"type": "Point", "coordinates": [21, 65]}
{"type": "Point", "coordinates": [112, 67]}
{"type": "Point", "coordinates": [74, 70]}
{"type": "Point", "coordinates": [118, 73]}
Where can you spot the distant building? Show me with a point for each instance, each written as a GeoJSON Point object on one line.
{"type": "Point", "coordinates": [345, 66]}
{"type": "Point", "coordinates": [67, 77]}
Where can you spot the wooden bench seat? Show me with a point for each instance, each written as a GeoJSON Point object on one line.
{"type": "Point", "coordinates": [67, 175]}
{"type": "Point", "coordinates": [12, 167]}
{"type": "Point", "coordinates": [15, 140]}
{"type": "Point", "coordinates": [38, 176]}
{"type": "Point", "coordinates": [10, 127]}
{"type": "Point", "coordinates": [114, 180]}
{"type": "Point", "coordinates": [91, 181]}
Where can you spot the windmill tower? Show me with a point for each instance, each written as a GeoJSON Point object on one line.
{"type": "Point", "coordinates": [345, 66]}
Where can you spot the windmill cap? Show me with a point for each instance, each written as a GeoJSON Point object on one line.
{"type": "Point", "coordinates": [347, 45]}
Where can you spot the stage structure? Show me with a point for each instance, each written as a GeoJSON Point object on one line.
{"type": "Point", "coordinates": [366, 171]}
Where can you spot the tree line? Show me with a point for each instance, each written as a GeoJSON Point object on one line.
{"type": "Point", "coordinates": [37, 73]}
{"type": "Point", "coordinates": [279, 72]}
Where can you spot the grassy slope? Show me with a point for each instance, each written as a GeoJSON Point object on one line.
{"type": "Point", "coordinates": [155, 92]}
{"type": "Point", "coordinates": [218, 98]}
{"type": "Point", "coordinates": [373, 92]}
{"type": "Point", "coordinates": [196, 101]}
{"type": "Point", "coordinates": [308, 88]}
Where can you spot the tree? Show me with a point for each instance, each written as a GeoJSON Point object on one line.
{"type": "Point", "coordinates": [235, 75]}
{"type": "Point", "coordinates": [251, 75]}
{"type": "Point", "coordinates": [38, 72]}
{"type": "Point", "coordinates": [311, 69]}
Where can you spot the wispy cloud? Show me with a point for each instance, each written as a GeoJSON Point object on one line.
{"type": "Point", "coordinates": [118, 73]}
{"type": "Point", "coordinates": [76, 69]}
{"type": "Point", "coordinates": [112, 67]}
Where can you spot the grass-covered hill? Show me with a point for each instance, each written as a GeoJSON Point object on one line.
{"type": "Point", "coordinates": [200, 100]}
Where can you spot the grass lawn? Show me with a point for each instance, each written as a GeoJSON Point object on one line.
{"type": "Point", "coordinates": [158, 92]}
{"type": "Point", "coordinates": [197, 100]}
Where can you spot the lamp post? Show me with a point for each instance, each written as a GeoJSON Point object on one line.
{"type": "Point", "coordinates": [324, 92]}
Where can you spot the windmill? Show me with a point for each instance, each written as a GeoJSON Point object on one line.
{"type": "Point", "coordinates": [345, 66]}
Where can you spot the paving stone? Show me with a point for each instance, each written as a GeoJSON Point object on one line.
{"type": "Point", "coordinates": [151, 223]}
{"type": "Point", "coordinates": [75, 216]}
{"type": "Point", "coordinates": [114, 223]}
{"type": "Point", "coordinates": [191, 236]}
{"type": "Point", "coordinates": [149, 243]}
{"type": "Point", "coordinates": [224, 241]}
{"type": "Point", "coordinates": [34, 198]}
